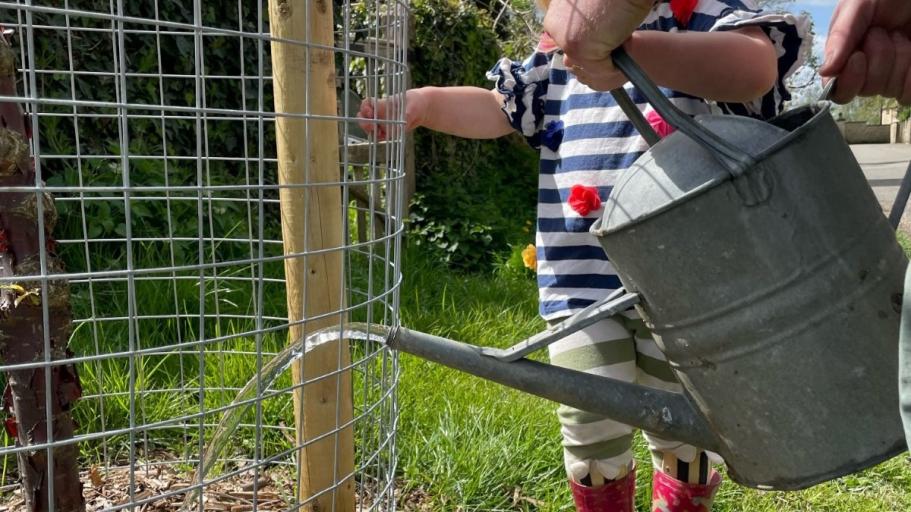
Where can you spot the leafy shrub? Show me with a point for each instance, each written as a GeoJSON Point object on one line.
{"type": "Point", "coordinates": [475, 195]}
{"type": "Point", "coordinates": [160, 153]}
{"type": "Point", "coordinates": [512, 264]}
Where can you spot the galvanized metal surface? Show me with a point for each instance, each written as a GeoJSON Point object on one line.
{"type": "Point", "coordinates": [901, 199]}
{"type": "Point", "coordinates": [181, 300]}
{"type": "Point", "coordinates": [656, 411]}
{"type": "Point", "coordinates": [775, 296]}
{"type": "Point", "coordinates": [657, 190]}
{"type": "Point", "coordinates": [904, 359]}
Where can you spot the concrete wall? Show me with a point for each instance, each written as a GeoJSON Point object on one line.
{"type": "Point", "coordinates": [863, 133]}
{"type": "Point", "coordinates": [900, 133]}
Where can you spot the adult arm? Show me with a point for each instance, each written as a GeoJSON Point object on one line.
{"type": "Point", "coordinates": [730, 66]}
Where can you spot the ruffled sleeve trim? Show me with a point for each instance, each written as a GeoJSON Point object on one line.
{"type": "Point", "coordinates": [524, 87]}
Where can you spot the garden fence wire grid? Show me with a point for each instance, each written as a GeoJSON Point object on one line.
{"type": "Point", "coordinates": [144, 262]}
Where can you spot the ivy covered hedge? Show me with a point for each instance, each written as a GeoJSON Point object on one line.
{"type": "Point", "coordinates": [474, 197]}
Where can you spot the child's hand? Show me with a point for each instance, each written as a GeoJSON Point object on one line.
{"type": "Point", "coordinates": [377, 116]}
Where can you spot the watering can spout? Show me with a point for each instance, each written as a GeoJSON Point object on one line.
{"type": "Point", "coordinates": [663, 413]}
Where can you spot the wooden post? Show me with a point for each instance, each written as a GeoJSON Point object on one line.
{"type": "Point", "coordinates": [410, 182]}
{"type": "Point", "coordinates": [312, 219]}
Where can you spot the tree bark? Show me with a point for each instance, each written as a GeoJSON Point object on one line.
{"type": "Point", "coordinates": [22, 326]}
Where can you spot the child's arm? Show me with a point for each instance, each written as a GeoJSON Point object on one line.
{"type": "Point", "coordinates": [469, 112]}
{"type": "Point", "coordinates": [731, 66]}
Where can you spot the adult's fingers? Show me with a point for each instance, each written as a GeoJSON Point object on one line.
{"type": "Point", "coordinates": [904, 96]}
{"type": "Point", "coordinates": [847, 29]}
{"type": "Point", "coordinates": [895, 88]}
{"type": "Point", "coordinates": [851, 79]}
{"type": "Point", "coordinates": [570, 62]}
{"type": "Point", "coordinates": [599, 77]}
{"type": "Point", "coordinates": [589, 66]}
{"type": "Point", "coordinates": [880, 52]}
{"type": "Point", "coordinates": [590, 29]}
{"type": "Point", "coordinates": [578, 70]}
{"type": "Point", "coordinates": [571, 24]}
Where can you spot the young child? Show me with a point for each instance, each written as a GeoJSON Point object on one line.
{"type": "Point", "coordinates": [707, 55]}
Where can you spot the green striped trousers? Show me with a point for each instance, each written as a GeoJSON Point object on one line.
{"type": "Point", "coordinates": [621, 348]}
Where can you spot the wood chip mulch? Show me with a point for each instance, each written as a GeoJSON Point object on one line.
{"type": "Point", "coordinates": [104, 489]}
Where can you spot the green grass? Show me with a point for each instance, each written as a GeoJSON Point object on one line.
{"type": "Point", "coordinates": [464, 443]}
{"type": "Point", "coordinates": [165, 385]}
{"type": "Point", "coordinates": [471, 445]}
{"type": "Point", "coordinates": [904, 241]}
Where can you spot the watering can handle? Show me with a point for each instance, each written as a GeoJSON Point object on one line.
{"type": "Point", "coordinates": [735, 160]}
{"type": "Point", "coordinates": [613, 304]}
{"type": "Point", "coordinates": [640, 123]}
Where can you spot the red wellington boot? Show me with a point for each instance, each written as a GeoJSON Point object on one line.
{"type": "Point", "coordinates": [615, 496]}
{"type": "Point", "coordinates": [672, 495]}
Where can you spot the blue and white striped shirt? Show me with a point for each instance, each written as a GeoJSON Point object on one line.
{"type": "Point", "coordinates": [599, 142]}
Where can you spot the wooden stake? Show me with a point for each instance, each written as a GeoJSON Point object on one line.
{"type": "Point", "coordinates": [312, 217]}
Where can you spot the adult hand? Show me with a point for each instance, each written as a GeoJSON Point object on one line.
{"type": "Point", "coordinates": [869, 49]}
{"type": "Point", "coordinates": [598, 77]}
{"type": "Point", "coordinates": [587, 30]}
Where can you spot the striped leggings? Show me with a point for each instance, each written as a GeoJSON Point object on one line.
{"type": "Point", "coordinates": [621, 348]}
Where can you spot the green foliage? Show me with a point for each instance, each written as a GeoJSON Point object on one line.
{"type": "Point", "coordinates": [904, 113]}
{"type": "Point", "coordinates": [517, 23]}
{"type": "Point", "coordinates": [512, 265]}
{"type": "Point", "coordinates": [475, 195]}
{"type": "Point", "coordinates": [905, 242]}
{"type": "Point", "coordinates": [454, 241]}
{"type": "Point", "coordinates": [180, 151]}
{"type": "Point", "coordinates": [870, 110]}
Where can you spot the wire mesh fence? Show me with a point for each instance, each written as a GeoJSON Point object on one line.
{"type": "Point", "coordinates": [144, 267]}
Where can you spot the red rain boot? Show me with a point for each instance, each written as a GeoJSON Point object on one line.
{"type": "Point", "coordinates": [672, 495]}
{"type": "Point", "coordinates": [615, 496]}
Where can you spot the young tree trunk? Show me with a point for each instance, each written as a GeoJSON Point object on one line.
{"type": "Point", "coordinates": [22, 325]}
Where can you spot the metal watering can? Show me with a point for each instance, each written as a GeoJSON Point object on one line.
{"type": "Point", "coordinates": [761, 260]}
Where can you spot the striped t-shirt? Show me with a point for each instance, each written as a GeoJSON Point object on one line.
{"type": "Point", "coordinates": [586, 141]}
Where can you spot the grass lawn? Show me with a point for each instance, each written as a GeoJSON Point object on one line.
{"type": "Point", "coordinates": [466, 444]}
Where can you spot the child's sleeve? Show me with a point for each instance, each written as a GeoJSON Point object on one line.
{"type": "Point", "coordinates": [789, 33]}
{"type": "Point", "coordinates": [524, 88]}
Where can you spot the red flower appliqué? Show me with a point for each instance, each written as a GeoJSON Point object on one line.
{"type": "Point", "coordinates": [583, 200]}
{"type": "Point", "coordinates": [661, 127]}
{"type": "Point", "coordinates": [683, 10]}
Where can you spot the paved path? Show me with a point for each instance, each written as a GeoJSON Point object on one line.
{"type": "Point", "coordinates": [885, 165]}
